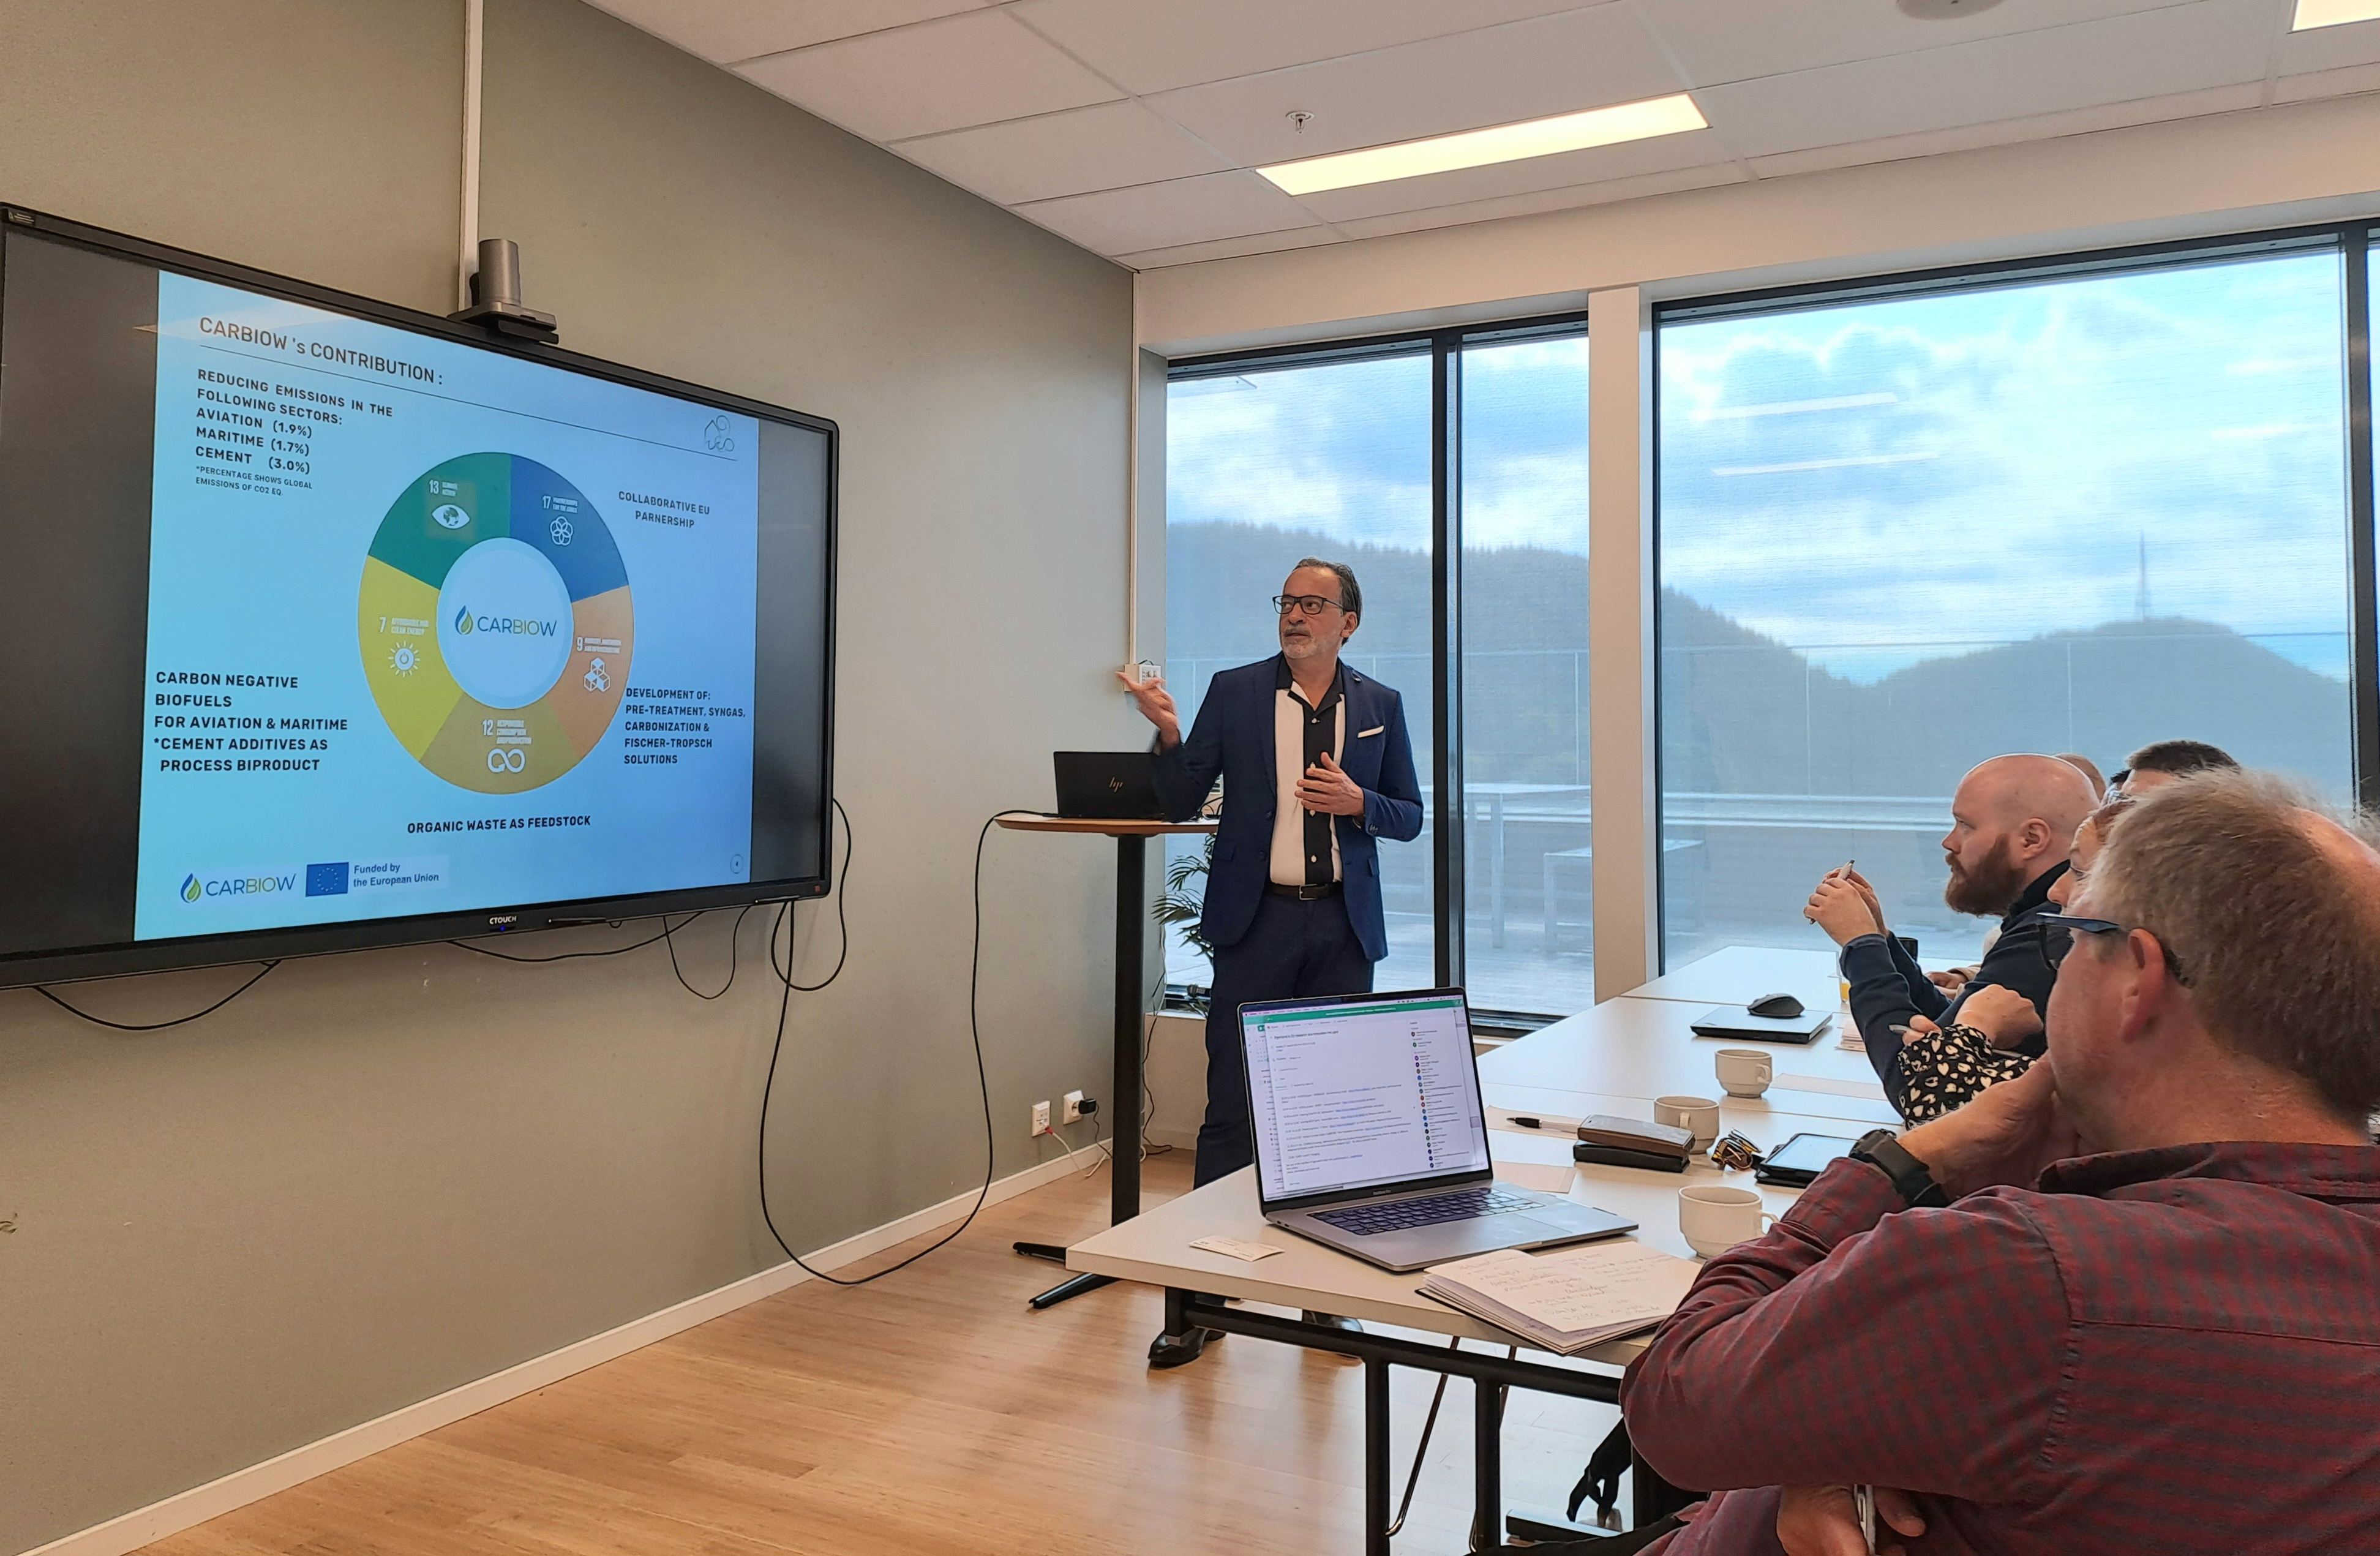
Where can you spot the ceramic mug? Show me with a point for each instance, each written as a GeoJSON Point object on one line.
{"type": "Point", "coordinates": [1715, 1218]}
{"type": "Point", "coordinates": [1699, 1114]}
{"type": "Point", "coordinates": [1744, 1071]}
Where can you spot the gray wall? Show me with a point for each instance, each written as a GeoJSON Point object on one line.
{"type": "Point", "coordinates": [384, 1175]}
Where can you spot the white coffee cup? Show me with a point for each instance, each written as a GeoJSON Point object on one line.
{"type": "Point", "coordinates": [1699, 1114]}
{"type": "Point", "coordinates": [1744, 1071]}
{"type": "Point", "coordinates": [1715, 1218]}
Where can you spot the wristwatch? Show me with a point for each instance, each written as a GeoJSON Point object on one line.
{"type": "Point", "coordinates": [1882, 1149]}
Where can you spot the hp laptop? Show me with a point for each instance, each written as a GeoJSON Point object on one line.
{"type": "Point", "coordinates": [1107, 786]}
{"type": "Point", "coordinates": [1370, 1136]}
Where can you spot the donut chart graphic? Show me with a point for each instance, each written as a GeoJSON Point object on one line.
{"type": "Point", "coordinates": [495, 622]}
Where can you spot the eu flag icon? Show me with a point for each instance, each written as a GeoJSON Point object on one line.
{"type": "Point", "coordinates": [327, 881]}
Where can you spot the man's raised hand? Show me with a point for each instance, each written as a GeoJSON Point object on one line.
{"type": "Point", "coordinates": [1867, 892]}
{"type": "Point", "coordinates": [1155, 705]}
{"type": "Point", "coordinates": [1837, 909]}
{"type": "Point", "coordinates": [1325, 787]}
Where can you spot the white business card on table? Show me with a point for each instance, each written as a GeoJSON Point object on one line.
{"type": "Point", "coordinates": [1546, 1177]}
{"type": "Point", "coordinates": [1231, 1247]}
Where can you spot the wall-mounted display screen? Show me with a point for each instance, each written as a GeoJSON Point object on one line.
{"type": "Point", "coordinates": [336, 625]}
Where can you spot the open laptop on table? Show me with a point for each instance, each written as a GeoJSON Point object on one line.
{"type": "Point", "coordinates": [1371, 1139]}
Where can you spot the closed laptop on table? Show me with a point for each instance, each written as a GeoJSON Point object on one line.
{"type": "Point", "coordinates": [1736, 1024]}
{"type": "Point", "coordinates": [1371, 1137]}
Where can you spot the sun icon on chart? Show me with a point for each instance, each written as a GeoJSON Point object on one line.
{"type": "Point", "coordinates": [404, 659]}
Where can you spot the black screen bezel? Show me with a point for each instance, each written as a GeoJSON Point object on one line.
{"type": "Point", "coordinates": [1332, 1197]}
{"type": "Point", "coordinates": [73, 962]}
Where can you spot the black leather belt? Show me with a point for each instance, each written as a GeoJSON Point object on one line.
{"type": "Point", "coordinates": [1303, 893]}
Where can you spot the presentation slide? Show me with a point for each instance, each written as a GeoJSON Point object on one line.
{"type": "Point", "coordinates": [431, 628]}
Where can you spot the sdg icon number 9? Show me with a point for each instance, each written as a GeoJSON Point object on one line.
{"type": "Point", "coordinates": [495, 622]}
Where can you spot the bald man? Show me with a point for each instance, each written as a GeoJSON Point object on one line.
{"type": "Point", "coordinates": [2012, 824]}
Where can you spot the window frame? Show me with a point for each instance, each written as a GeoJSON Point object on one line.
{"type": "Point", "coordinates": [1444, 349]}
{"type": "Point", "coordinates": [2350, 240]}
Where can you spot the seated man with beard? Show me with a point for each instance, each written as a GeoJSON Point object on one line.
{"type": "Point", "coordinates": [2012, 823]}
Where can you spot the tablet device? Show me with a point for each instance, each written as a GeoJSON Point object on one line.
{"type": "Point", "coordinates": [1798, 1162]}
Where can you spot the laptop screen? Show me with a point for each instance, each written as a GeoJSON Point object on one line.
{"type": "Point", "coordinates": [1348, 1094]}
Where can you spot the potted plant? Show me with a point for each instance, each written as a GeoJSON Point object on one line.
{"type": "Point", "coordinates": [1184, 901]}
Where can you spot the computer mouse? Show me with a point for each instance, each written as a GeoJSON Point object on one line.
{"type": "Point", "coordinates": [1781, 1005]}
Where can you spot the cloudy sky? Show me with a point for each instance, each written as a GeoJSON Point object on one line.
{"type": "Point", "coordinates": [1882, 482]}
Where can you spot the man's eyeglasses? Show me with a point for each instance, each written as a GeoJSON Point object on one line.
{"type": "Point", "coordinates": [2059, 931]}
{"type": "Point", "coordinates": [1306, 605]}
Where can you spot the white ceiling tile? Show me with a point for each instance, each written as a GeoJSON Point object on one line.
{"type": "Point", "coordinates": [2182, 48]}
{"type": "Point", "coordinates": [1229, 247]}
{"type": "Point", "coordinates": [2328, 48]}
{"type": "Point", "coordinates": [1153, 45]}
{"type": "Point", "coordinates": [726, 30]}
{"type": "Point", "coordinates": [2328, 83]}
{"type": "Point", "coordinates": [966, 70]}
{"type": "Point", "coordinates": [1543, 201]}
{"type": "Point", "coordinates": [1526, 70]}
{"type": "Point", "coordinates": [1104, 147]}
{"type": "Point", "coordinates": [1165, 215]}
{"type": "Point", "coordinates": [2010, 132]}
{"type": "Point", "coordinates": [1718, 41]}
{"type": "Point", "coordinates": [1665, 154]}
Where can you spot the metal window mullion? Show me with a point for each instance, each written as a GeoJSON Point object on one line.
{"type": "Point", "coordinates": [1446, 640]}
{"type": "Point", "coordinates": [2362, 583]}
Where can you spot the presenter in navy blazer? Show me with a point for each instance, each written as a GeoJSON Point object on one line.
{"type": "Point", "coordinates": [1316, 769]}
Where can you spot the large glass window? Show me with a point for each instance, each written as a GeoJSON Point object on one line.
{"type": "Point", "coordinates": [1903, 534]}
{"type": "Point", "coordinates": [1265, 466]}
{"type": "Point", "coordinates": [1527, 938]}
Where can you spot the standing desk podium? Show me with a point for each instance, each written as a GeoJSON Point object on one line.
{"type": "Point", "coordinates": [1123, 1096]}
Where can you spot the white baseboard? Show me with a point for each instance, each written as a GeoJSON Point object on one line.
{"type": "Point", "coordinates": [132, 1530]}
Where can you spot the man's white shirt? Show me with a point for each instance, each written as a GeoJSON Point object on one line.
{"type": "Point", "coordinates": [1289, 718]}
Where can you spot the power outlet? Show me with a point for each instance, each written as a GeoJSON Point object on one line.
{"type": "Point", "coordinates": [1070, 1111]}
{"type": "Point", "coordinates": [1040, 1118]}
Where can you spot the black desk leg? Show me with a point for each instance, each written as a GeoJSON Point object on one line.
{"type": "Point", "coordinates": [1487, 1466]}
{"type": "Point", "coordinates": [1649, 1496]}
{"type": "Point", "coordinates": [1122, 1104]}
{"type": "Point", "coordinates": [1376, 1458]}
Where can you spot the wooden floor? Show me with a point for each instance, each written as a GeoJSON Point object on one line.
{"type": "Point", "coordinates": [931, 1412]}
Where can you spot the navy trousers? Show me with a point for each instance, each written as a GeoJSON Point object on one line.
{"type": "Point", "coordinates": [1292, 950]}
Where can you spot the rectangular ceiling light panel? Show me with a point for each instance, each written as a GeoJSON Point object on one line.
{"type": "Point", "coordinates": [2332, 13]}
{"type": "Point", "coordinates": [1511, 143]}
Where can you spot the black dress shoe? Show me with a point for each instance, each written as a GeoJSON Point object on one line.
{"type": "Point", "coordinates": [1178, 1350]}
{"type": "Point", "coordinates": [1333, 1321]}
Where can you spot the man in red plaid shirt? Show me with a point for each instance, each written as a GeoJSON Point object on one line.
{"type": "Point", "coordinates": [2167, 1343]}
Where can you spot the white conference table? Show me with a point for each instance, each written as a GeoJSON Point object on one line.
{"type": "Point", "coordinates": [1612, 1059]}
{"type": "Point", "coordinates": [1641, 1049]}
{"type": "Point", "coordinates": [1738, 973]}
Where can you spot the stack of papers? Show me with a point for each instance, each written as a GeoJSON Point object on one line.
{"type": "Point", "coordinates": [1569, 1300]}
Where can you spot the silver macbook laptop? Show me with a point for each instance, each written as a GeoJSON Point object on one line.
{"type": "Point", "coordinates": [1370, 1136]}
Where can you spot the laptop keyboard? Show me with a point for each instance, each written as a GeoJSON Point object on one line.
{"type": "Point", "coordinates": [1404, 1215]}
